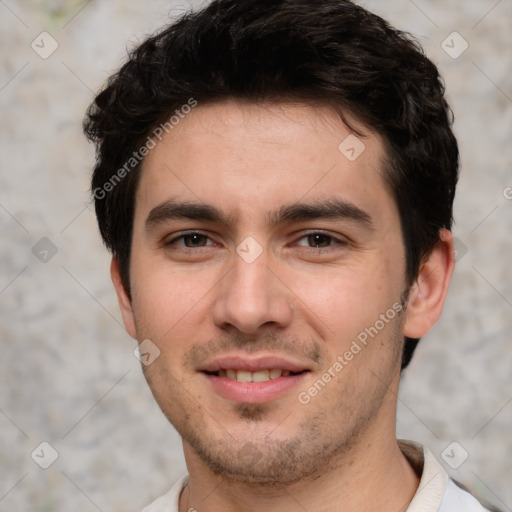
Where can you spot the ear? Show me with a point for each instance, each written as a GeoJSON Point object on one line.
{"type": "Point", "coordinates": [125, 303]}
{"type": "Point", "coordinates": [428, 293]}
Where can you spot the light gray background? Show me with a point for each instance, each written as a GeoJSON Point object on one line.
{"type": "Point", "coordinates": [67, 372]}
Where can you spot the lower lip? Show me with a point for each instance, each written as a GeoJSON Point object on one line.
{"type": "Point", "coordinates": [253, 392]}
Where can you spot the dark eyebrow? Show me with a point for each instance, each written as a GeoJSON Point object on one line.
{"type": "Point", "coordinates": [335, 209]}
{"type": "Point", "coordinates": [173, 209]}
{"type": "Point", "coordinates": [324, 209]}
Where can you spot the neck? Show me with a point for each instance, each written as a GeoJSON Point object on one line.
{"type": "Point", "coordinates": [375, 477]}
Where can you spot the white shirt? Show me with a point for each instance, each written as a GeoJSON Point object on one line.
{"type": "Point", "coordinates": [436, 491]}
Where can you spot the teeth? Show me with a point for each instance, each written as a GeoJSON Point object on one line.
{"type": "Point", "coordinates": [243, 376]}
{"type": "Point", "coordinates": [259, 376]}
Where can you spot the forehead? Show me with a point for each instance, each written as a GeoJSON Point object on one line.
{"type": "Point", "coordinates": [256, 156]}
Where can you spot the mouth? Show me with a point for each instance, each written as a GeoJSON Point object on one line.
{"type": "Point", "coordinates": [258, 376]}
{"type": "Point", "coordinates": [257, 380]}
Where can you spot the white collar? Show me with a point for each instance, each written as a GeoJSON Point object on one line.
{"type": "Point", "coordinates": [433, 481]}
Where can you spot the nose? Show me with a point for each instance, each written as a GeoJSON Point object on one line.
{"type": "Point", "coordinates": [251, 298]}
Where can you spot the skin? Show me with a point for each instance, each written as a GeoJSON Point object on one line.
{"type": "Point", "coordinates": [304, 298]}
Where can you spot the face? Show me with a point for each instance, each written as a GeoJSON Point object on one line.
{"type": "Point", "coordinates": [268, 266]}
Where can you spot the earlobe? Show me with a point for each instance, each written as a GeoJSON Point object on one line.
{"type": "Point", "coordinates": [428, 293]}
{"type": "Point", "coordinates": [123, 299]}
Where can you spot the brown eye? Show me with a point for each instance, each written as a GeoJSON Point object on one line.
{"type": "Point", "coordinates": [195, 240]}
{"type": "Point", "coordinates": [190, 240]}
{"type": "Point", "coordinates": [319, 240]}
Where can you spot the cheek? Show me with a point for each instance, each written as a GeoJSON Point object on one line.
{"type": "Point", "coordinates": [350, 297]}
{"type": "Point", "coordinates": [165, 300]}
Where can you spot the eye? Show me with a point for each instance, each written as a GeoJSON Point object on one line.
{"type": "Point", "coordinates": [191, 240]}
{"type": "Point", "coordinates": [319, 240]}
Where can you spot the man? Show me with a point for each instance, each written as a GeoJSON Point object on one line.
{"type": "Point", "coordinates": [275, 180]}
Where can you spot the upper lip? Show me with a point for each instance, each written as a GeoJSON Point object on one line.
{"type": "Point", "coordinates": [252, 364]}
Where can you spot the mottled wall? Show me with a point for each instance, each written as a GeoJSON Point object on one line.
{"type": "Point", "coordinates": [67, 373]}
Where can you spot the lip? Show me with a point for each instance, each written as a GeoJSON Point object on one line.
{"type": "Point", "coordinates": [253, 392]}
{"type": "Point", "coordinates": [252, 364]}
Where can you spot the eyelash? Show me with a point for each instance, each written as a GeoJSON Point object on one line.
{"type": "Point", "coordinates": [334, 241]}
{"type": "Point", "coordinates": [310, 250]}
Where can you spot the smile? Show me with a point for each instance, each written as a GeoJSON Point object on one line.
{"type": "Point", "coordinates": [258, 376]}
{"type": "Point", "coordinates": [259, 379]}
